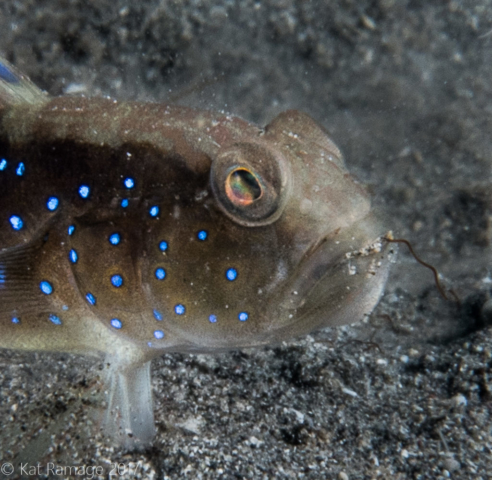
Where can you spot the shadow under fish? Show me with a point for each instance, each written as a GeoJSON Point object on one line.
{"type": "Point", "coordinates": [129, 230]}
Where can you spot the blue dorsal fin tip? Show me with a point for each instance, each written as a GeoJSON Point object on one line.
{"type": "Point", "coordinates": [7, 75]}
{"type": "Point", "coordinates": [16, 88]}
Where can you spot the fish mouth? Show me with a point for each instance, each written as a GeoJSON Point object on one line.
{"type": "Point", "coordinates": [337, 282]}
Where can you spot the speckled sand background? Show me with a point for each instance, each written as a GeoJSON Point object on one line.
{"type": "Point", "coordinates": [406, 89]}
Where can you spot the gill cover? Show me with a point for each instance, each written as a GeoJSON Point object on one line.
{"type": "Point", "coordinates": [250, 183]}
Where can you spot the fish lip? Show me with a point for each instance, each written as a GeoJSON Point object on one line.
{"type": "Point", "coordinates": [315, 265]}
{"type": "Point", "coordinates": [325, 271]}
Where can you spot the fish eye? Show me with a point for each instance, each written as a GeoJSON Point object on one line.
{"type": "Point", "coordinates": [242, 187]}
{"type": "Point", "coordinates": [250, 183]}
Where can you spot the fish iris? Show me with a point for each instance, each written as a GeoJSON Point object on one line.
{"type": "Point", "coordinates": [242, 187]}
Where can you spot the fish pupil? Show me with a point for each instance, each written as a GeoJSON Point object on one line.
{"type": "Point", "coordinates": [242, 187]}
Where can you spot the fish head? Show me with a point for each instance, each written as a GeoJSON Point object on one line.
{"type": "Point", "coordinates": [278, 241]}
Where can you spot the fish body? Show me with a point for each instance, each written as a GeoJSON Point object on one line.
{"type": "Point", "coordinates": [129, 230]}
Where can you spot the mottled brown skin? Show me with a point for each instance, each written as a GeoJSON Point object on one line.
{"type": "Point", "coordinates": [73, 141]}
{"type": "Point", "coordinates": [312, 257]}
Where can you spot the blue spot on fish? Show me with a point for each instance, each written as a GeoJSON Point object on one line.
{"type": "Point", "coordinates": [46, 287]}
{"type": "Point", "coordinates": [65, 308]}
{"type": "Point", "coordinates": [154, 211]}
{"type": "Point", "coordinates": [16, 320]}
{"type": "Point", "coordinates": [20, 169]}
{"type": "Point", "coordinates": [114, 238]}
{"type": "Point", "coordinates": [243, 316]}
{"type": "Point", "coordinates": [16, 222]}
{"type": "Point", "coordinates": [163, 246]}
{"type": "Point", "coordinates": [73, 256]}
{"type": "Point", "coordinates": [117, 280]}
{"type": "Point", "coordinates": [231, 274]}
{"type": "Point", "coordinates": [160, 274]}
{"type": "Point", "coordinates": [159, 334]}
{"type": "Point", "coordinates": [84, 191]}
{"type": "Point", "coordinates": [124, 203]}
{"type": "Point", "coordinates": [3, 164]}
{"type": "Point", "coordinates": [54, 319]}
{"type": "Point", "coordinates": [213, 318]}
{"type": "Point", "coordinates": [202, 235]}
{"type": "Point", "coordinates": [7, 75]}
{"type": "Point", "coordinates": [90, 298]}
{"type": "Point", "coordinates": [179, 309]}
{"type": "Point", "coordinates": [129, 182]}
{"type": "Point", "coordinates": [52, 203]}
{"type": "Point", "coordinates": [116, 323]}
{"type": "Point", "coordinates": [158, 315]}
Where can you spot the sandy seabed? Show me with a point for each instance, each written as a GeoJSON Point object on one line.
{"type": "Point", "coordinates": [405, 89]}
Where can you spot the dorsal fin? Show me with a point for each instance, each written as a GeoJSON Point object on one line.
{"type": "Point", "coordinates": [16, 88]}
